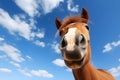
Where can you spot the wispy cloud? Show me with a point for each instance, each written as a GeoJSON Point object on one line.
{"type": "Point", "coordinates": [12, 52]}
{"type": "Point", "coordinates": [115, 44]}
{"type": "Point", "coordinates": [49, 5]}
{"type": "Point", "coordinates": [18, 26]}
{"type": "Point", "coordinates": [55, 47]}
{"type": "Point", "coordinates": [37, 73]}
{"type": "Point", "coordinates": [39, 43]}
{"type": "Point", "coordinates": [36, 7]}
{"type": "Point", "coordinates": [6, 70]}
{"type": "Point", "coordinates": [28, 6]}
{"type": "Point", "coordinates": [15, 56]}
{"type": "Point", "coordinates": [61, 63]}
{"type": "Point", "coordinates": [119, 59]}
{"type": "Point", "coordinates": [33, 7]}
{"type": "Point", "coordinates": [24, 72]}
{"type": "Point", "coordinates": [40, 34]}
{"type": "Point", "coordinates": [15, 25]}
{"type": "Point", "coordinates": [1, 39]}
{"type": "Point", "coordinates": [15, 64]}
{"type": "Point", "coordinates": [28, 57]}
{"type": "Point", "coordinates": [109, 46]}
{"type": "Point", "coordinates": [41, 73]}
{"type": "Point", "coordinates": [71, 7]}
{"type": "Point", "coordinates": [115, 71]}
{"type": "Point", "coordinates": [3, 56]}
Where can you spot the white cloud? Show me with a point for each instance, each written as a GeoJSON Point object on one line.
{"type": "Point", "coordinates": [59, 62]}
{"type": "Point", "coordinates": [3, 56]}
{"type": "Point", "coordinates": [119, 60]}
{"type": "Point", "coordinates": [41, 73]}
{"type": "Point", "coordinates": [115, 71]}
{"type": "Point", "coordinates": [22, 71]}
{"type": "Point", "coordinates": [1, 39]}
{"type": "Point", "coordinates": [12, 52]}
{"type": "Point", "coordinates": [29, 6]}
{"type": "Point", "coordinates": [109, 46]}
{"type": "Point", "coordinates": [15, 25]}
{"type": "Point", "coordinates": [32, 7]}
{"type": "Point", "coordinates": [55, 46]}
{"type": "Point", "coordinates": [37, 73]}
{"type": "Point", "coordinates": [115, 44]}
{"type": "Point", "coordinates": [5, 70]}
{"type": "Point", "coordinates": [69, 70]}
{"type": "Point", "coordinates": [21, 27]}
{"type": "Point", "coordinates": [49, 5]}
{"type": "Point", "coordinates": [28, 57]}
{"type": "Point", "coordinates": [15, 64]}
{"type": "Point", "coordinates": [39, 34]}
{"type": "Point", "coordinates": [39, 43]}
{"type": "Point", "coordinates": [71, 7]}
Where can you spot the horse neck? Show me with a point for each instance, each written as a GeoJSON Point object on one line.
{"type": "Point", "coordinates": [88, 72]}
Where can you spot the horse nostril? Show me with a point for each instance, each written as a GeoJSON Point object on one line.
{"type": "Point", "coordinates": [82, 40]}
{"type": "Point", "coordinates": [63, 43]}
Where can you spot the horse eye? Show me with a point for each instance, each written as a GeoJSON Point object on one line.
{"type": "Point", "coordinates": [60, 33]}
{"type": "Point", "coordinates": [87, 27]}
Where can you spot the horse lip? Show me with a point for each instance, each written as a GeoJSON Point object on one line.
{"type": "Point", "coordinates": [73, 63]}
{"type": "Point", "coordinates": [81, 60]}
{"type": "Point", "coordinates": [75, 60]}
{"type": "Point", "coordinates": [69, 57]}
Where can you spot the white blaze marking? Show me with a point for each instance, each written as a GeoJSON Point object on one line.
{"type": "Point", "coordinates": [70, 37]}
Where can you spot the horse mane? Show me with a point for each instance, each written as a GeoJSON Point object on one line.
{"type": "Point", "coordinates": [71, 19]}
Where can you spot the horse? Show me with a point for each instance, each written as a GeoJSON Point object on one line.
{"type": "Point", "coordinates": [75, 47]}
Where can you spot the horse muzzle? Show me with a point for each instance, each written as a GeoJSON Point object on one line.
{"type": "Point", "coordinates": [73, 49]}
{"type": "Point", "coordinates": [71, 55]}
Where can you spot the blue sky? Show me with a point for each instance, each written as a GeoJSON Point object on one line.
{"type": "Point", "coordinates": [29, 49]}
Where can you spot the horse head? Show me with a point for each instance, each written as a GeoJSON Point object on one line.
{"type": "Point", "coordinates": [74, 45]}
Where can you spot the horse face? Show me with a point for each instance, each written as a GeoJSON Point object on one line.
{"type": "Point", "coordinates": [74, 44]}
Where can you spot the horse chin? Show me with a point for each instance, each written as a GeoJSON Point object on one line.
{"type": "Point", "coordinates": [75, 64]}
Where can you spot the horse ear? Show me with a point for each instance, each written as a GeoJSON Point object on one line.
{"type": "Point", "coordinates": [84, 15]}
{"type": "Point", "coordinates": [58, 23]}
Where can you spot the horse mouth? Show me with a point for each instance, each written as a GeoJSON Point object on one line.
{"type": "Point", "coordinates": [75, 64]}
